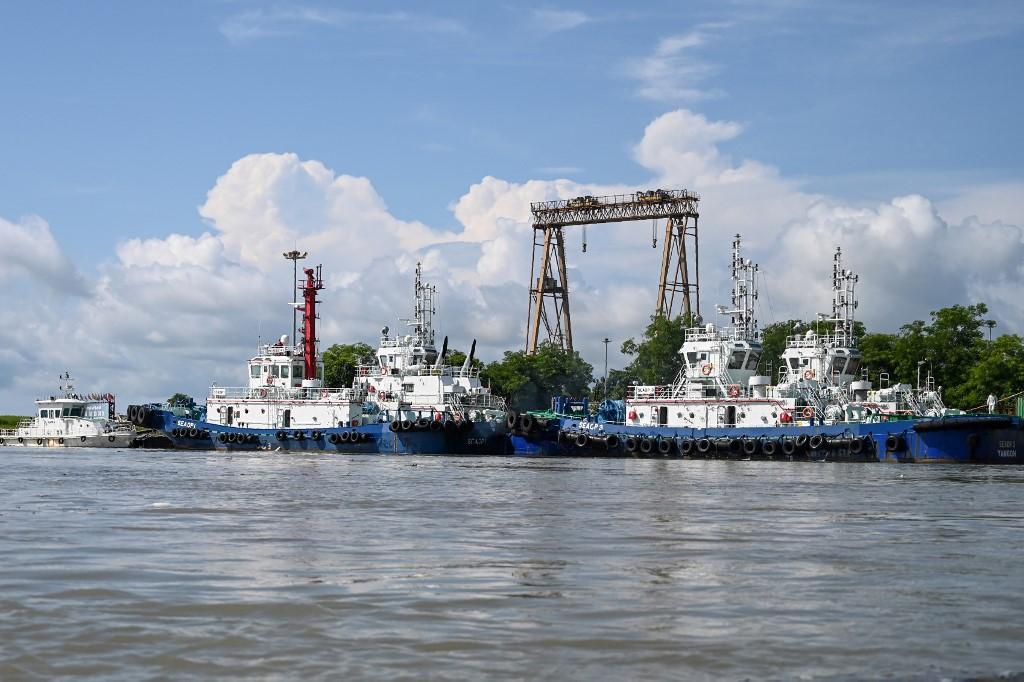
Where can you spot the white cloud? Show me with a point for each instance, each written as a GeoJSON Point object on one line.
{"type": "Point", "coordinates": [554, 20]}
{"type": "Point", "coordinates": [175, 313]}
{"type": "Point", "coordinates": [673, 72]}
{"type": "Point", "coordinates": [261, 22]}
{"type": "Point", "coordinates": [29, 249]}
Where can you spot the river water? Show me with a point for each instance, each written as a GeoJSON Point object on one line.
{"type": "Point", "coordinates": [141, 564]}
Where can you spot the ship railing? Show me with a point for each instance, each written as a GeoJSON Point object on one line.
{"type": "Point", "coordinates": [275, 349]}
{"type": "Point", "coordinates": [663, 392]}
{"type": "Point", "coordinates": [702, 334]}
{"type": "Point", "coordinates": [283, 393]}
{"type": "Point", "coordinates": [482, 401]}
{"type": "Point", "coordinates": [459, 403]}
{"type": "Point", "coordinates": [833, 340]}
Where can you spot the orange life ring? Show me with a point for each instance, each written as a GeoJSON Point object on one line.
{"type": "Point", "coordinates": [808, 412]}
{"type": "Point", "coordinates": [270, 381]}
{"type": "Point", "coordinates": [632, 415]}
{"type": "Point", "coordinates": [809, 374]}
{"type": "Point", "coordinates": [263, 393]}
{"type": "Point", "coordinates": [707, 369]}
{"type": "Point", "coordinates": [734, 390]}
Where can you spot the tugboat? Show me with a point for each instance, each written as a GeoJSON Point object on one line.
{"type": "Point", "coordinates": [70, 419]}
{"type": "Point", "coordinates": [720, 407]}
{"type": "Point", "coordinates": [407, 402]}
{"type": "Point", "coordinates": [427, 405]}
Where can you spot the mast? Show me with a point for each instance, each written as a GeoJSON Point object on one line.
{"type": "Point", "coordinates": [744, 293]}
{"type": "Point", "coordinates": [314, 283]}
{"type": "Point", "coordinates": [423, 314]}
{"type": "Point", "coordinates": [844, 298]}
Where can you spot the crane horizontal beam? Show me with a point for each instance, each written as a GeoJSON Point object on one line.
{"type": "Point", "coordinates": [587, 210]}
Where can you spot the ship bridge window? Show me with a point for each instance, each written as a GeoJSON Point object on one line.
{"type": "Point", "coordinates": [752, 359]}
{"type": "Point", "coordinates": [691, 359]}
{"type": "Point", "coordinates": [44, 413]}
{"type": "Point", "coordinates": [736, 359]}
{"type": "Point", "coordinates": [284, 371]}
{"type": "Point", "coordinates": [254, 371]}
{"type": "Point", "coordinates": [297, 371]}
{"type": "Point", "coordinates": [854, 367]}
{"type": "Point", "coordinates": [837, 365]}
{"type": "Point", "coordinates": [78, 411]}
{"type": "Point", "coordinates": [794, 363]}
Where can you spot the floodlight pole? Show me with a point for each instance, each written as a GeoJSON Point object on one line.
{"type": "Point", "coordinates": [295, 257]}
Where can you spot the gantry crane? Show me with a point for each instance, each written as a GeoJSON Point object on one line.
{"type": "Point", "coordinates": [549, 283]}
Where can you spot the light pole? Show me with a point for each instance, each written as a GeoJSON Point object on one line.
{"type": "Point", "coordinates": [919, 363]}
{"type": "Point", "coordinates": [295, 257]}
{"type": "Point", "coordinates": [606, 342]}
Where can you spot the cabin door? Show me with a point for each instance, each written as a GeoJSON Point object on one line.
{"type": "Point", "coordinates": [287, 421]}
{"type": "Point", "coordinates": [730, 415]}
{"type": "Point", "coordinates": [662, 416]}
{"type": "Point", "coordinates": [231, 415]}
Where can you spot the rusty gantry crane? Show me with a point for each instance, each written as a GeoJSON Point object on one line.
{"type": "Point", "coordinates": [549, 283]}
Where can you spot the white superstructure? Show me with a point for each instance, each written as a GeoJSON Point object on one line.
{"type": "Point", "coordinates": [70, 419]}
{"type": "Point", "coordinates": [823, 370]}
{"type": "Point", "coordinates": [408, 379]}
{"type": "Point", "coordinates": [285, 389]}
{"type": "Point", "coordinates": [718, 384]}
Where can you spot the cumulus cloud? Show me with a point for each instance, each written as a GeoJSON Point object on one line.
{"type": "Point", "coordinates": [175, 313]}
{"type": "Point", "coordinates": [29, 249]}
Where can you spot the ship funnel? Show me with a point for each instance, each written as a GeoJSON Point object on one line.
{"type": "Point", "coordinates": [469, 358]}
{"type": "Point", "coordinates": [444, 352]}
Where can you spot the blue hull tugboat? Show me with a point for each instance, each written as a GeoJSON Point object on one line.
{"type": "Point", "coordinates": [408, 401]}
{"type": "Point", "coordinates": [820, 409]}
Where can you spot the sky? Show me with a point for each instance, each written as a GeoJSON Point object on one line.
{"type": "Point", "coordinates": [157, 158]}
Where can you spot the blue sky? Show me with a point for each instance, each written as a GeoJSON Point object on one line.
{"type": "Point", "coordinates": [158, 150]}
{"type": "Point", "coordinates": [117, 118]}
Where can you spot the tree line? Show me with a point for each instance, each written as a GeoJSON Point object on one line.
{"type": "Point", "coordinates": [954, 347]}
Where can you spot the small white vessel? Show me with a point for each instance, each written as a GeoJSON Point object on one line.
{"type": "Point", "coordinates": [71, 420]}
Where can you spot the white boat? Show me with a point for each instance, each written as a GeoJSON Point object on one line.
{"type": "Point", "coordinates": [71, 420]}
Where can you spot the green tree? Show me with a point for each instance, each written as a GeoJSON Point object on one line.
{"type": "Point", "coordinates": [955, 342]}
{"type": "Point", "coordinates": [530, 381]}
{"type": "Point", "coordinates": [773, 342]}
{"type": "Point", "coordinates": [998, 371]}
{"type": "Point", "coordinates": [180, 399]}
{"type": "Point", "coordinates": [456, 358]}
{"type": "Point", "coordinates": [340, 362]}
{"type": "Point", "coordinates": [656, 358]}
{"type": "Point", "coordinates": [878, 355]}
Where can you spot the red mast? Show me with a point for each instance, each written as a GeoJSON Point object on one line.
{"type": "Point", "coordinates": [314, 283]}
